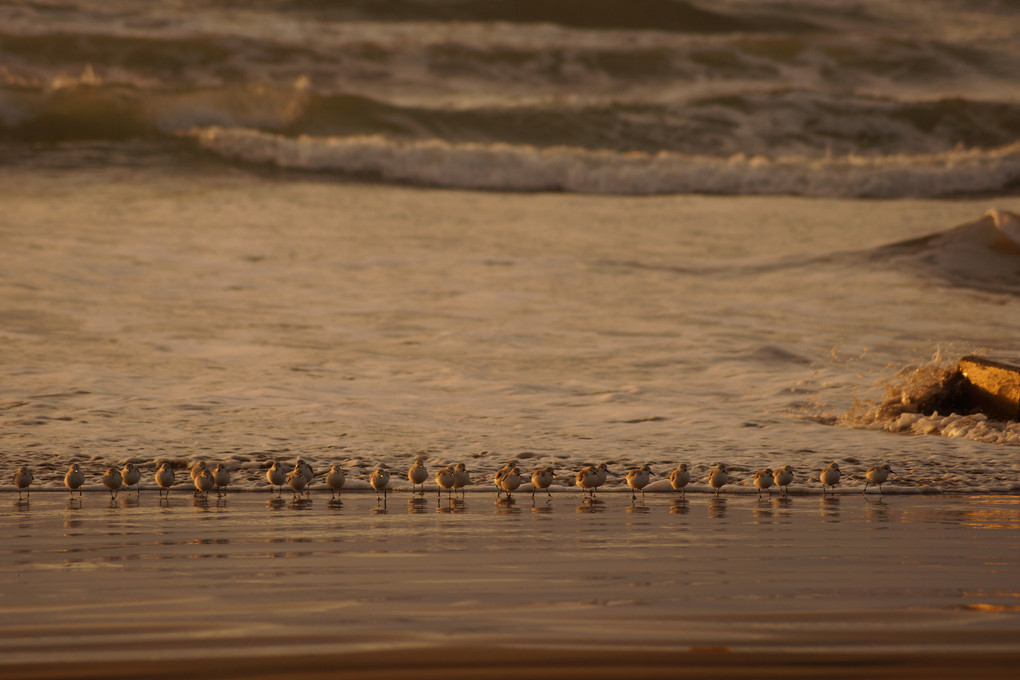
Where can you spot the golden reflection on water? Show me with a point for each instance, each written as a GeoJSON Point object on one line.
{"type": "Point", "coordinates": [717, 507]}
{"type": "Point", "coordinates": [679, 506]}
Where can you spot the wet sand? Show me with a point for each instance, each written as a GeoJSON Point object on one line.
{"type": "Point", "coordinates": [250, 586]}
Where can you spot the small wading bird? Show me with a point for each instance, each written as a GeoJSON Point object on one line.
{"type": "Point", "coordinates": [680, 478]}
{"type": "Point", "coordinates": [499, 475]}
{"type": "Point", "coordinates": [306, 472]}
{"type": "Point", "coordinates": [417, 474]}
{"type": "Point", "coordinates": [131, 476]}
{"type": "Point", "coordinates": [782, 477]}
{"type": "Point", "coordinates": [276, 475]}
{"type": "Point", "coordinates": [22, 480]}
{"type": "Point", "coordinates": [461, 478]}
{"type": "Point", "coordinates": [542, 478]}
{"type": "Point", "coordinates": [830, 477]}
{"type": "Point", "coordinates": [196, 469]}
{"type": "Point", "coordinates": [510, 481]}
{"type": "Point", "coordinates": [204, 481]}
{"type": "Point", "coordinates": [74, 479]}
{"type": "Point", "coordinates": [335, 479]}
{"type": "Point", "coordinates": [601, 475]}
{"type": "Point", "coordinates": [379, 479]}
{"type": "Point", "coordinates": [222, 478]}
{"type": "Point", "coordinates": [718, 477]}
{"type": "Point", "coordinates": [586, 478]}
{"type": "Point", "coordinates": [877, 475]}
{"type": "Point", "coordinates": [297, 481]}
{"type": "Point", "coordinates": [637, 480]}
{"type": "Point", "coordinates": [112, 481]}
{"type": "Point", "coordinates": [763, 480]}
{"type": "Point", "coordinates": [165, 479]}
{"type": "Point", "coordinates": [445, 479]}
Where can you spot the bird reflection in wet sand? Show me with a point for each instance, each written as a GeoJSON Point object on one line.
{"type": "Point", "coordinates": [876, 509]}
{"type": "Point", "coordinates": [506, 506]}
{"type": "Point", "coordinates": [380, 508]}
{"type": "Point", "coordinates": [717, 507]}
{"type": "Point", "coordinates": [454, 506]}
{"type": "Point", "coordinates": [679, 506]}
{"type": "Point", "coordinates": [634, 509]}
{"type": "Point", "coordinates": [276, 502]}
{"type": "Point", "coordinates": [830, 506]}
{"type": "Point", "coordinates": [762, 509]}
{"type": "Point", "coordinates": [592, 505]}
{"type": "Point", "coordinates": [416, 506]}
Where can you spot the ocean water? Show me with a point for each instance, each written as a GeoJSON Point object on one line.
{"type": "Point", "coordinates": [558, 232]}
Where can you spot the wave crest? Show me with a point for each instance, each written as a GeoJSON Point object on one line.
{"type": "Point", "coordinates": [506, 167]}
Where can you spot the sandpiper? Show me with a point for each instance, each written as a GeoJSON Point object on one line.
{"type": "Point", "coordinates": [877, 475]}
{"type": "Point", "coordinates": [680, 478]}
{"type": "Point", "coordinates": [335, 479]}
{"type": "Point", "coordinates": [830, 477]}
{"type": "Point", "coordinates": [637, 480]}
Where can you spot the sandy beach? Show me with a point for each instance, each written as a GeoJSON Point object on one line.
{"type": "Point", "coordinates": [248, 586]}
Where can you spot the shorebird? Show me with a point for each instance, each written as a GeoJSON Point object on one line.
{"type": "Point", "coordinates": [23, 478]}
{"type": "Point", "coordinates": [782, 477]}
{"type": "Point", "coordinates": [830, 477]}
{"type": "Point", "coordinates": [877, 475]}
{"type": "Point", "coordinates": [499, 474]}
{"type": "Point", "coordinates": [204, 481]}
{"type": "Point", "coordinates": [637, 480]}
{"type": "Point", "coordinates": [586, 479]}
{"type": "Point", "coordinates": [379, 479]}
{"type": "Point", "coordinates": [131, 476]}
{"type": "Point", "coordinates": [445, 478]}
{"type": "Point", "coordinates": [222, 478]}
{"type": "Point", "coordinates": [165, 479]}
{"type": "Point", "coordinates": [417, 474]}
{"type": "Point", "coordinates": [763, 480]}
{"type": "Point", "coordinates": [335, 479]}
{"type": "Point", "coordinates": [196, 469]}
{"type": "Point", "coordinates": [276, 475]}
{"type": "Point", "coordinates": [510, 481]}
{"type": "Point", "coordinates": [542, 478]}
{"type": "Point", "coordinates": [306, 471]}
{"type": "Point", "coordinates": [112, 481]}
{"type": "Point", "coordinates": [461, 478]}
{"type": "Point", "coordinates": [718, 477]}
{"type": "Point", "coordinates": [297, 481]}
{"type": "Point", "coordinates": [74, 479]}
{"type": "Point", "coordinates": [680, 478]}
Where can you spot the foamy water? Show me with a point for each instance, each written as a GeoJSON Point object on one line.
{"type": "Point", "coordinates": [162, 315]}
{"type": "Point", "coordinates": [243, 233]}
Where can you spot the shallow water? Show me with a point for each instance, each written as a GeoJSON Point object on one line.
{"type": "Point", "coordinates": [251, 575]}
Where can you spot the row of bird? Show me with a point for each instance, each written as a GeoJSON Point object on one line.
{"type": "Point", "coordinates": [452, 478]}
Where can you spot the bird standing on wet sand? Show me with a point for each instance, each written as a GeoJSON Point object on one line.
{"type": "Point", "coordinates": [718, 477]}
{"type": "Point", "coordinates": [445, 479]}
{"type": "Point", "coordinates": [499, 475]}
{"type": "Point", "coordinates": [165, 479]}
{"type": "Point", "coordinates": [586, 479]}
{"type": "Point", "coordinates": [542, 478]}
{"type": "Point", "coordinates": [782, 477]}
{"type": "Point", "coordinates": [74, 479]}
{"type": "Point", "coordinates": [763, 480]}
{"type": "Point", "coordinates": [335, 479]}
{"type": "Point", "coordinates": [222, 478]}
{"type": "Point", "coordinates": [297, 481]}
{"type": "Point", "coordinates": [417, 474]}
{"type": "Point", "coordinates": [637, 480]}
{"type": "Point", "coordinates": [510, 481]}
{"type": "Point", "coordinates": [276, 475]}
{"type": "Point", "coordinates": [112, 481]}
{"type": "Point", "coordinates": [830, 477]}
{"type": "Point", "coordinates": [306, 472]}
{"type": "Point", "coordinates": [877, 475]}
{"type": "Point", "coordinates": [461, 478]}
{"type": "Point", "coordinates": [23, 478]}
{"type": "Point", "coordinates": [204, 481]}
{"type": "Point", "coordinates": [680, 478]}
{"type": "Point", "coordinates": [379, 479]}
{"type": "Point", "coordinates": [130, 475]}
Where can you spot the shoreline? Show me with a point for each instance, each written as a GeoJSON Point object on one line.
{"type": "Point", "coordinates": [565, 663]}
